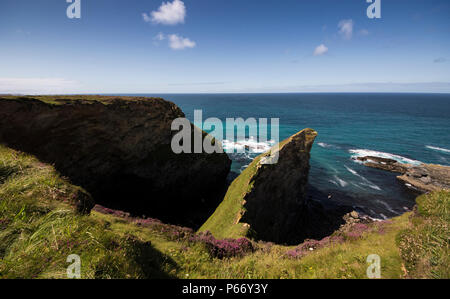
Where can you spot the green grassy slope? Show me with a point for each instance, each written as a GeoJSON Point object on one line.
{"type": "Point", "coordinates": [425, 244]}
{"type": "Point", "coordinates": [39, 228]}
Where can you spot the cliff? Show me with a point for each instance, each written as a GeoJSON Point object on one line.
{"type": "Point", "coordinates": [268, 202]}
{"type": "Point", "coordinates": [118, 149]}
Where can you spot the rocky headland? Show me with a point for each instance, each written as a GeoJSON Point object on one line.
{"type": "Point", "coordinates": [119, 150]}
{"type": "Point", "coordinates": [269, 201]}
{"type": "Point", "coordinates": [422, 177]}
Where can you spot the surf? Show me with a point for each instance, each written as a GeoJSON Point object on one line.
{"type": "Point", "coordinates": [440, 149]}
{"type": "Point", "coordinates": [366, 152]}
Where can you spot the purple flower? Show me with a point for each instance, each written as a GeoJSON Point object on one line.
{"type": "Point", "coordinates": [224, 248]}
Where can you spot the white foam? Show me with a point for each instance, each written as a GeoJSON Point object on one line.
{"type": "Point", "coordinates": [373, 186]}
{"type": "Point", "coordinates": [341, 182]}
{"type": "Point", "coordinates": [438, 149]}
{"type": "Point", "coordinates": [358, 186]}
{"type": "Point", "coordinates": [324, 145]}
{"type": "Point", "coordinates": [366, 181]}
{"type": "Point", "coordinates": [388, 207]}
{"type": "Point", "coordinates": [351, 170]}
{"type": "Point", "coordinates": [331, 181]}
{"type": "Point", "coordinates": [365, 152]}
{"type": "Point", "coordinates": [248, 145]}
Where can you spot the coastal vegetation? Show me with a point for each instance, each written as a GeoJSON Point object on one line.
{"type": "Point", "coordinates": [40, 226]}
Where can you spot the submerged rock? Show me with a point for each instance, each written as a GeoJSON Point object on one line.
{"type": "Point", "coordinates": [118, 149]}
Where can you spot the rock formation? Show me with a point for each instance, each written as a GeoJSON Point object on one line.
{"type": "Point", "coordinates": [427, 177]}
{"type": "Point", "coordinates": [278, 197]}
{"type": "Point", "coordinates": [119, 150]}
{"type": "Point", "coordinates": [268, 201]}
{"type": "Point", "coordinates": [384, 164]}
{"type": "Point", "coordinates": [423, 177]}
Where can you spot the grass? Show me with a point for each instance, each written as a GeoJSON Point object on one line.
{"type": "Point", "coordinates": [64, 99]}
{"type": "Point", "coordinates": [40, 228]}
{"type": "Point", "coordinates": [425, 245]}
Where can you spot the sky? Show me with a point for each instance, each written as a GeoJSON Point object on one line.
{"type": "Point", "coordinates": [221, 46]}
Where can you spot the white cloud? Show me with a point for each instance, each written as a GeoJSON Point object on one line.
{"type": "Point", "coordinates": [346, 29]}
{"type": "Point", "coordinates": [169, 13]}
{"type": "Point", "coordinates": [36, 85]}
{"type": "Point", "coordinates": [177, 42]}
{"type": "Point", "coordinates": [364, 32]}
{"type": "Point", "coordinates": [146, 17]}
{"type": "Point", "coordinates": [160, 36]}
{"type": "Point", "coordinates": [320, 50]}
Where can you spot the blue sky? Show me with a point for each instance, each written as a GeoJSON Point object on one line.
{"type": "Point", "coordinates": [147, 46]}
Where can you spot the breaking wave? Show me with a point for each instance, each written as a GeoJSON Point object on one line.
{"type": "Point", "coordinates": [438, 148]}
{"type": "Point", "coordinates": [250, 145]}
{"type": "Point", "coordinates": [365, 152]}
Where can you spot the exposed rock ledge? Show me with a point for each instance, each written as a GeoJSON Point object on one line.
{"type": "Point", "coordinates": [423, 177]}
{"type": "Point", "coordinates": [119, 150]}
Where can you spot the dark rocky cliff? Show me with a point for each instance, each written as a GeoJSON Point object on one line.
{"type": "Point", "coordinates": [269, 202]}
{"type": "Point", "coordinates": [119, 150]}
{"type": "Point", "coordinates": [278, 196]}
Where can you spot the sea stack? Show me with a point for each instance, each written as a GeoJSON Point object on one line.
{"type": "Point", "coordinates": [267, 201]}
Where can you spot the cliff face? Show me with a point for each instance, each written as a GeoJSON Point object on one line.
{"type": "Point", "coordinates": [119, 150]}
{"type": "Point", "coordinates": [278, 197]}
{"type": "Point", "coordinates": [268, 202]}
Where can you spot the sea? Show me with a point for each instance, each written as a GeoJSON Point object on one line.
{"type": "Point", "coordinates": [409, 128]}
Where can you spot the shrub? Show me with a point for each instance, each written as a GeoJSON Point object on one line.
{"type": "Point", "coordinates": [225, 248]}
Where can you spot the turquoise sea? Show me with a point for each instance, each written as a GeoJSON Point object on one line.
{"type": "Point", "coordinates": [411, 128]}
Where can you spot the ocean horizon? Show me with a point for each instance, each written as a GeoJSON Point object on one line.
{"type": "Point", "coordinates": [408, 127]}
